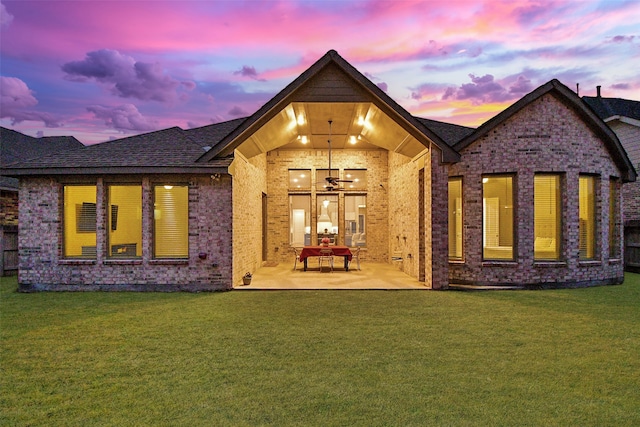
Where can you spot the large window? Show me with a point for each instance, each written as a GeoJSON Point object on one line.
{"type": "Point", "coordinates": [79, 221]}
{"type": "Point", "coordinates": [455, 218]}
{"type": "Point", "coordinates": [358, 178]}
{"type": "Point", "coordinates": [171, 221]}
{"type": "Point", "coordinates": [321, 178]}
{"type": "Point", "coordinates": [547, 216]}
{"type": "Point", "coordinates": [355, 220]}
{"type": "Point", "coordinates": [497, 217]}
{"type": "Point", "coordinates": [124, 214]}
{"type": "Point", "coordinates": [614, 218]}
{"type": "Point", "coordinates": [300, 220]}
{"type": "Point", "coordinates": [299, 179]}
{"type": "Point", "coordinates": [587, 217]}
{"type": "Point", "coordinates": [327, 223]}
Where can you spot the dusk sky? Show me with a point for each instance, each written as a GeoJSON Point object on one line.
{"type": "Point", "coordinates": [100, 70]}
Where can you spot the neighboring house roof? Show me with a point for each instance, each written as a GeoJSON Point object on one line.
{"type": "Point", "coordinates": [166, 151]}
{"type": "Point", "coordinates": [284, 97]}
{"type": "Point", "coordinates": [18, 147]}
{"type": "Point", "coordinates": [572, 100]}
{"type": "Point", "coordinates": [610, 107]}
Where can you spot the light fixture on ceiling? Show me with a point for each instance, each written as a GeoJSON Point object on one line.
{"type": "Point", "coordinates": [303, 139]}
{"type": "Point", "coordinates": [353, 140]}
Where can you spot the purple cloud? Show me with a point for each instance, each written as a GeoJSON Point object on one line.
{"type": "Point", "coordinates": [129, 79]}
{"type": "Point", "coordinates": [622, 86]}
{"type": "Point", "coordinates": [485, 89]}
{"type": "Point", "coordinates": [247, 71]}
{"type": "Point", "coordinates": [622, 39]}
{"type": "Point", "coordinates": [16, 101]}
{"type": "Point", "coordinates": [124, 118]}
{"type": "Point", "coordinates": [521, 86]}
{"type": "Point", "coordinates": [237, 112]}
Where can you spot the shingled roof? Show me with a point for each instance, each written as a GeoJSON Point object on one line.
{"type": "Point", "coordinates": [170, 150]}
{"type": "Point", "coordinates": [611, 107]}
{"type": "Point", "coordinates": [448, 132]}
{"type": "Point", "coordinates": [17, 147]}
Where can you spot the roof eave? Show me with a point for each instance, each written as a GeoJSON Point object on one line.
{"type": "Point", "coordinates": [118, 170]}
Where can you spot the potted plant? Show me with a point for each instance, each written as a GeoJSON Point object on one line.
{"type": "Point", "coordinates": [246, 279]}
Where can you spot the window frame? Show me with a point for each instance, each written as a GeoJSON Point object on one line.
{"type": "Point", "coordinates": [594, 221]}
{"type": "Point", "coordinates": [513, 207]}
{"type": "Point", "coordinates": [76, 226]}
{"type": "Point", "coordinates": [615, 229]}
{"type": "Point", "coordinates": [154, 225]}
{"type": "Point", "coordinates": [559, 220]}
{"type": "Point", "coordinates": [109, 220]}
{"type": "Point", "coordinates": [455, 258]}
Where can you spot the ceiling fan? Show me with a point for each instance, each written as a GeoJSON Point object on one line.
{"type": "Point", "coordinates": [333, 181]}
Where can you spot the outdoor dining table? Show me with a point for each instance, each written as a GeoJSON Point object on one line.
{"type": "Point", "coordinates": [309, 251]}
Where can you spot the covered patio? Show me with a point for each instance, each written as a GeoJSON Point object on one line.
{"type": "Point", "coordinates": [379, 276]}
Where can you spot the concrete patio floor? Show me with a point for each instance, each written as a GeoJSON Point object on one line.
{"type": "Point", "coordinates": [371, 276]}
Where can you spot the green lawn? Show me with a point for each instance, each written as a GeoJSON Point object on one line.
{"type": "Point", "coordinates": [322, 358]}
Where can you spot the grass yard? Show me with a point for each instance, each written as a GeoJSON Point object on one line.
{"type": "Point", "coordinates": [322, 358]}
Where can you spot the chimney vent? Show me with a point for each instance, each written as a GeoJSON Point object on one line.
{"type": "Point", "coordinates": [598, 90]}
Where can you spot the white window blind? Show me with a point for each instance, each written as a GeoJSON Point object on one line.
{"type": "Point", "coordinates": [587, 217]}
{"type": "Point", "coordinates": [171, 221]}
{"type": "Point", "coordinates": [547, 216]}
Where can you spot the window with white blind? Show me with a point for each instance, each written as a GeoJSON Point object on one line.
{"type": "Point", "coordinates": [79, 219]}
{"type": "Point", "coordinates": [587, 225]}
{"type": "Point", "coordinates": [171, 221]}
{"type": "Point", "coordinates": [547, 209]}
{"type": "Point", "coordinates": [455, 218]}
{"type": "Point", "coordinates": [614, 218]}
{"type": "Point", "coordinates": [497, 217]}
{"type": "Point", "coordinates": [124, 216]}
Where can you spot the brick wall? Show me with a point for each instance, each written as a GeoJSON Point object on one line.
{"type": "Point", "coordinates": [377, 228]}
{"type": "Point", "coordinates": [249, 182]}
{"type": "Point", "coordinates": [546, 136]}
{"type": "Point", "coordinates": [42, 266]}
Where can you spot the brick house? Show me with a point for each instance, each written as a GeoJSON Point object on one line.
{"type": "Point", "coordinates": [196, 209]}
{"type": "Point", "coordinates": [623, 117]}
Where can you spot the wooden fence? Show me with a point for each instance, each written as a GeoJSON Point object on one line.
{"type": "Point", "coordinates": [8, 250]}
{"type": "Point", "coordinates": [632, 246]}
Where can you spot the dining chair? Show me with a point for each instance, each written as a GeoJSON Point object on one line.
{"type": "Point", "coordinates": [355, 255]}
{"type": "Point", "coordinates": [296, 252]}
{"type": "Point", "coordinates": [326, 254]}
